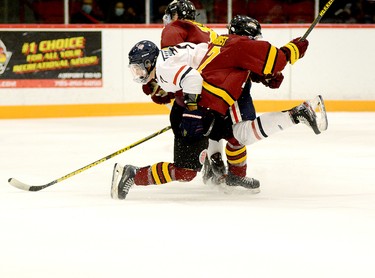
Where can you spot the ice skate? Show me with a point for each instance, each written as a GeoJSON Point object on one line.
{"type": "Point", "coordinates": [207, 173]}
{"type": "Point", "coordinates": [122, 180]}
{"type": "Point", "coordinates": [249, 183]}
{"type": "Point", "coordinates": [214, 169]}
{"type": "Point", "coordinates": [312, 113]}
{"type": "Point", "coordinates": [218, 168]}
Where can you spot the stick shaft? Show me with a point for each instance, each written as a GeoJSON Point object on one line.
{"type": "Point", "coordinates": [23, 186]}
{"type": "Point", "coordinates": [317, 19]}
{"type": "Point", "coordinates": [113, 154]}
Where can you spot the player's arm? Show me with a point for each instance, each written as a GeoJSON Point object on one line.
{"type": "Point", "coordinates": [295, 50]}
{"type": "Point", "coordinates": [158, 95]}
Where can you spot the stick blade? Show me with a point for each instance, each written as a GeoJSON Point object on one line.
{"type": "Point", "coordinates": [20, 185]}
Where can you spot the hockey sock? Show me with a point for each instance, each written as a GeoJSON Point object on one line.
{"type": "Point", "coordinates": [163, 172]}
{"type": "Point", "coordinates": [236, 156]}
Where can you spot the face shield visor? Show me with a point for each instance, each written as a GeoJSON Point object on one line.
{"type": "Point", "coordinates": [140, 74]}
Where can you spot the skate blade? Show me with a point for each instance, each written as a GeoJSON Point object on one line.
{"type": "Point", "coordinates": [317, 104]}
{"type": "Point", "coordinates": [117, 171]}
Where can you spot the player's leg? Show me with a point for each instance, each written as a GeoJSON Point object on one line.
{"type": "Point", "coordinates": [267, 124]}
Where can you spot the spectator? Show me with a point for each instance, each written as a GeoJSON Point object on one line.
{"type": "Point", "coordinates": [86, 14]}
{"type": "Point", "coordinates": [122, 14]}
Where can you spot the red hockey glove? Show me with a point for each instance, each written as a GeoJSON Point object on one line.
{"type": "Point", "coordinates": [295, 49]}
{"type": "Point", "coordinates": [256, 77]}
{"type": "Point", "coordinates": [273, 81]}
{"type": "Point", "coordinates": [162, 99]}
{"type": "Point", "coordinates": [158, 95]}
{"type": "Point", "coordinates": [149, 87]}
{"type": "Point", "coordinates": [270, 80]}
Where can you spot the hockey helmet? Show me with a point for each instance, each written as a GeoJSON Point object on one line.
{"type": "Point", "coordinates": [185, 9]}
{"type": "Point", "coordinates": [245, 26]}
{"type": "Point", "coordinates": [142, 60]}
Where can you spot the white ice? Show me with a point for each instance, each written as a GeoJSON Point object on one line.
{"type": "Point", "coordinates": [315, 215]}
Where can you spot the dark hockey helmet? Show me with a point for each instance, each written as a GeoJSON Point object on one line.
{"type": "Point", "coordinates": [245, 26]}
{"type": "Point", "coordinates": [142, 60]}
{"type": "Point", "coordinates": [185, 9]}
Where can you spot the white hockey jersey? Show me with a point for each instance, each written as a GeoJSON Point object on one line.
{"type": "Point", "coordinates": [176, 68]}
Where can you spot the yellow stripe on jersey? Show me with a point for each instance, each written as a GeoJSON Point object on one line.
{"type": "Point", "coordinates": [270, 60]}
{"type": "Point", "coordinates": [219, 93]}
{"type": "Point", "coordinates": [213, 34]}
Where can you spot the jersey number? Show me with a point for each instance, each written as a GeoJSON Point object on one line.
{"type": "Point", "coordinates": [215, 50]}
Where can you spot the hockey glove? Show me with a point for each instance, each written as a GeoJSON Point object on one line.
{"type": "Point", "coordinates": [192, 124]}
{"type": "Point", "coordinates": [273, 81]}
{"type": "Point", "coordinates": [295, 49]}
{"type": "Point", "coordinates": [270, 80]}
{"type": "Point", "coordinates": [158, 95]}
{"type": "Point", "coordinates": [162, 99]}
{"type": "Point", "coordinates": [149, 88]}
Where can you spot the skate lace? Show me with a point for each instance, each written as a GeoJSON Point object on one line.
{"type": "Point", "coordinates": [128, 184]}
{"type": "Point", "coordinates": [304, 120]}
{"type": "Point", "coordinates": [242, 181]}
{"type": "Point", "coordinates": [128, 180]}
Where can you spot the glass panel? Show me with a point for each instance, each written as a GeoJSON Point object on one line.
{"type": "Point", "coordinates": [209, 11]}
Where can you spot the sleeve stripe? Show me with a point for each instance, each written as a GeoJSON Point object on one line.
{"type": "Point", "coordinates": [270, 63]}
{"type": "Point", "coordinates": [261, 128]}
{"type": "Point", "coordinates": [177, 74]}
{"type": "Point", "coordinates": [184, 74]}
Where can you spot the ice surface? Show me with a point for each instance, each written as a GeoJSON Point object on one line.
{"type": "Point", "coordinates": [315, 215]}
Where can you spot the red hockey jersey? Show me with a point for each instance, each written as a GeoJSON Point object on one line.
{"type": "Point", "coordinates": [227, 65]}
{"type": "Point", "coordinates": [180, 31]}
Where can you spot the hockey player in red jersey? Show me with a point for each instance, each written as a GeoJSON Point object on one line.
{"type": "Point", "coordinates": [181, 26]}
{"type": "Point", "coordinates": [225, 72]}
{"type": "Point", "coordinates": [175, 70]}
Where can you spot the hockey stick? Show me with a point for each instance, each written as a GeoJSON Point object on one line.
{"type": "Point", "coordinates": [317, 19]}
{"type": "Point", "coordinates": [24, 186]}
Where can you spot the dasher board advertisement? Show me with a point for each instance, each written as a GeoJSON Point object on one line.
{"type": "Point", "coordinates": [50, 59]}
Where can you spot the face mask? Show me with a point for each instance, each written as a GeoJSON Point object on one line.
{"type": "Point", "coordinates": [119, 11]}
{"type": "Point", "coordinates": [87, 8]}
{"type": "Point", "coordinates": [140, 74]}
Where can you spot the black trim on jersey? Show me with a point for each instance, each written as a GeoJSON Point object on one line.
{"type": "Point", "coordinates": [184, 75]}
{"type": "Point", "coordinates": [261, 128]}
